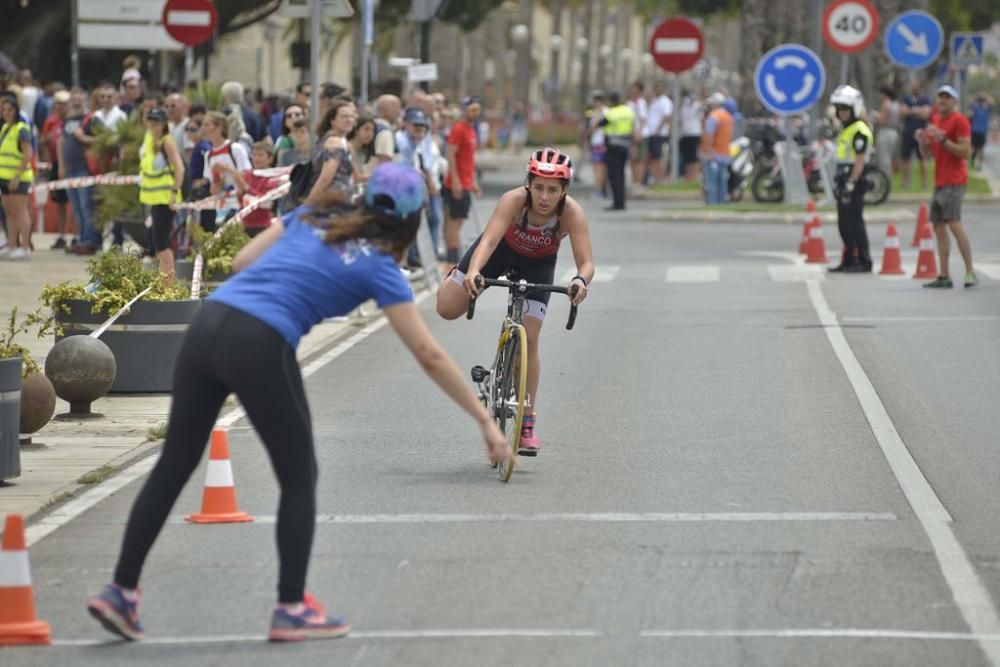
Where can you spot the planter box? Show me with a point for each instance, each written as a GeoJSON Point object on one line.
{"type": "Point", "coordinates": [145, 342]}
{"type": "Point", "coordinates": [10, 417]}
{"type": "Point", "coordinates": [184, 270]}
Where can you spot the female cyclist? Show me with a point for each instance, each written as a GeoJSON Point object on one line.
{"type": "Point", "coordinates": [524, 234]}
{"type": "Point", "coordinates": [299, 271]}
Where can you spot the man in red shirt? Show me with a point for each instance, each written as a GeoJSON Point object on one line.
{"type": "Point", "coordinates": [948, 136]}
{"type": "Point", "coordinates": [461, 178]}
{"type": "Point", "coordinates": [49, 150]}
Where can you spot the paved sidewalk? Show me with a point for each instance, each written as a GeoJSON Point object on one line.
{"type": "Point", "coordinates": [63, 452]}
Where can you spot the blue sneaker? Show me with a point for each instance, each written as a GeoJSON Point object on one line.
{"type": "Point", "coordinates": [311, 623]}
{"type": "Point", "coordinates": [115, 613]}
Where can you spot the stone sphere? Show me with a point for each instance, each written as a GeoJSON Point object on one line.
{"type": "Point", "coordinates": [38, 402]}
{"type": "Point", "coordinates": [82, 369]}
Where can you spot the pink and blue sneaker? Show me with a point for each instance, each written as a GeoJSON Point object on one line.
{"type": "Point", "coordinates": [310, 623]}
{"type": "Point", "coordinates": [118, 611]}
{"type": "Point", "coordinates": [530, 445]}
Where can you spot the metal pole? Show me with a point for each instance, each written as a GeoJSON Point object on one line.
{"type": "Point", "coordinates": [845, 65]}
{"type": "Point", "coordinates": [74, 56]}
{"type": "Point", "coordinates": [425, 49]}
{"type": "Point", "coordinates": [314, 11]}
{"type": "Point", "coordinates": [675, 131]}
{"type": "Point", "coordinates": [188, 64]}
{"type": "Point", "coordinates": [366, 48]}
{"type": "Point", "coordinates": [816, 11]}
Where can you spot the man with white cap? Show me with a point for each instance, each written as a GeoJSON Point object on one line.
{"type": "Point", "coordinates": [949, 136]}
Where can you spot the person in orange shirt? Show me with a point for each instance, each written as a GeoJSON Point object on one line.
{"type": "Point", "coordinates": [715, 149]}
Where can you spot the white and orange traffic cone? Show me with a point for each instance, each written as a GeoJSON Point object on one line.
{"type": "Point", "coordinates": [816, 247]}
{"type": "Point", "coordinates": [218, 503]}
{"type": "Point", "coordinates": [18, 624]}
{"type": "Point", "coordinates": [927, 259]}
{"type": "Point", "coordinates": [923, 220]}
{"type": "Point", "coordinates": [892, 261]}
{"type": "Point", "coordinates": [806, 226]}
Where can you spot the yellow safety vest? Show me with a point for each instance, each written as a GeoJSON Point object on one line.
{"type": "Point", "coordinates": [11, 153]}
{"type": "Point", "coordinates": [621, 121]}
{"type": "Point", "coordinates": [845, 141]}
{"type": "Point", "coordinates": [155, 185]}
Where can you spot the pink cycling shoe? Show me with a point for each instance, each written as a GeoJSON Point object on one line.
{"type": "Point", "coordinates": [530, 445]}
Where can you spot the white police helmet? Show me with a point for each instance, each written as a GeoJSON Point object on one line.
{"type": "Point", "coordinates": [849, 96]}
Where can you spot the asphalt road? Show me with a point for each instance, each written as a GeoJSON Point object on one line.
{"type": "Point", "coordinates": [715, 486]}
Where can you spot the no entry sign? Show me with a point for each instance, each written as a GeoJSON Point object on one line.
{"type": "Point", "coordinates": [676, 45]}
{"type": "Point", "coordinates": [190, 22]}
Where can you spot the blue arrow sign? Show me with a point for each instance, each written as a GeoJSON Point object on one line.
{"type": "Point", "coordinates": [913, 39]}
{"type": "Point", "coordinates": [789, 79]}
{"type": "Point", "coordinates": [966, 49]}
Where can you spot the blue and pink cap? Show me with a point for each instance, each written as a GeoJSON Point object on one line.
{"type": "Point", "coordinates": [396, 189]}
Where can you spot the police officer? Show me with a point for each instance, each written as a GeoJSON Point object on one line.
{"type": "Point", "coordinates": [619, 128]}
{"type": "Point", "coordinates": [854, 146]}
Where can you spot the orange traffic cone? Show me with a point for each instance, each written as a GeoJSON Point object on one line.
{"type": "Point", "coordinates": [926, 260]}
{"type": "Point", "coordinates": [922, 221]}
{"type": "Point", "coordinates": [892, 264]}
{"type": "Point", "coordinates": [806, 226]}
{"type": "Point", "coordinates": [816, 247]}
{"type": "Point", "coordinates": [218, 503]}
{"type": "Point", "coordinates": [17, 601]}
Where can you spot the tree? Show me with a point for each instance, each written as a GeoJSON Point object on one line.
{"type": "Point", "coordinates": [37, 33]}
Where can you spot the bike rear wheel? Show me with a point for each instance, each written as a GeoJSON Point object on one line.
{"type": "Point", "coordinates": [509, 388]}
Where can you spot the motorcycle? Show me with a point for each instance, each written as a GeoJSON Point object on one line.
{"type": "Point", "coordinates": [768, 184]}
{"type": "Point", "coordinates": [741, 168]}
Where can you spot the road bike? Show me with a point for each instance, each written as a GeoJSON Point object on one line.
{"type": "Point", "coordinates": [502, 387]}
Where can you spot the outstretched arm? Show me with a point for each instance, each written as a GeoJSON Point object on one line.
{"type": "Point", "coordinates": [440, 367]}
{"type": "Point", "coordinates": [249, 253]}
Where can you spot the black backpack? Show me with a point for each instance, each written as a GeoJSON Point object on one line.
{"type": "Point", "coordinates": [301, 180]}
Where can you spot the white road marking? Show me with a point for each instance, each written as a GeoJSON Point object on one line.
{"type": "Point", "coordinates": [40, 529]}
{"type": "Point", "coordinates": [971, 596]}
{"type": "Point", "coordinates": [706, 273]}
{"type": "Point", "coordinates": [821, 633]}
{"type": "Point", "coordinates": [924, 318]}
{"type": "Point", "coordinates": [483, 633]}
{"type": "Point", "coordinates": [988, 270]}
{"type": "Point", "coordinates": [606, 517]}
{"type": "Point", "coordinates": [602, 274]}
{"type": "Point", "coordinates": [796, 273]}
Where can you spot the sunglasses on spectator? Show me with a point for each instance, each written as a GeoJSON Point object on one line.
{"type": "Point", "coordinates": [294, 114]}
{"type": "Point", "coordinates": [192, 128]}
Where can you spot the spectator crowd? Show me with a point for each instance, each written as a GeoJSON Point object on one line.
{"type": "Point", "coordinates": [219, 149]}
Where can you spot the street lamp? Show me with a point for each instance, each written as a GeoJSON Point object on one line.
{"type": "Point", "coordinates": [519, 33]}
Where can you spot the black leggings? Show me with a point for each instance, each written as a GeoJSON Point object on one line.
{"type": "Point", "coordinates": [226, 350]}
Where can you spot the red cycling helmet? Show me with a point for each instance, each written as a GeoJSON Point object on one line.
{"type": "Point", "coordinates": [550, 163]}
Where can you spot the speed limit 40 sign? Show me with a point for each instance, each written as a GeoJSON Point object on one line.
{"type": "Point", "coordinates": [850, 25]}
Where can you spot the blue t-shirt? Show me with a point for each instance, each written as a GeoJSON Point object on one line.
{"type": "Point", "coordinates": [301, 280]}
{"type": "Point", "coordinates": [980, 114]}
{"type": "Point", "coordinates": [913, 123]}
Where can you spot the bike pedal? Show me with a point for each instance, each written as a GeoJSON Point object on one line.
{"type": "Point", "coordinates": [479, 374]}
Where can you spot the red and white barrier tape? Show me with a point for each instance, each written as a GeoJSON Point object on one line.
{"type": "Point", "coordinates": [199, 262]}
{"type": "Point", "coordinates": [86, 181]}
{"type": "Point", "coordinates": [254, 204]}
{"type": "Point", "coordinates": [273, 171]}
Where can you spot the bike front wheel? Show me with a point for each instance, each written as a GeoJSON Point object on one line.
{"type": "Point", "coordinates": [877, 185]}
{"type": "Point", "coordinates": [509, 393]}
{"type": "Point", "coordinates": [767, 185]}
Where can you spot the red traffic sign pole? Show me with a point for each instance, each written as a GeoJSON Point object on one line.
{"type": "Point", "coordinates": [190, 22]}
{"type": "Point", "coordinates": [676, 45]}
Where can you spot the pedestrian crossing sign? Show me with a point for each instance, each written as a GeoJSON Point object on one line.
{"type": "Point", "coordinates": [966, 49]}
